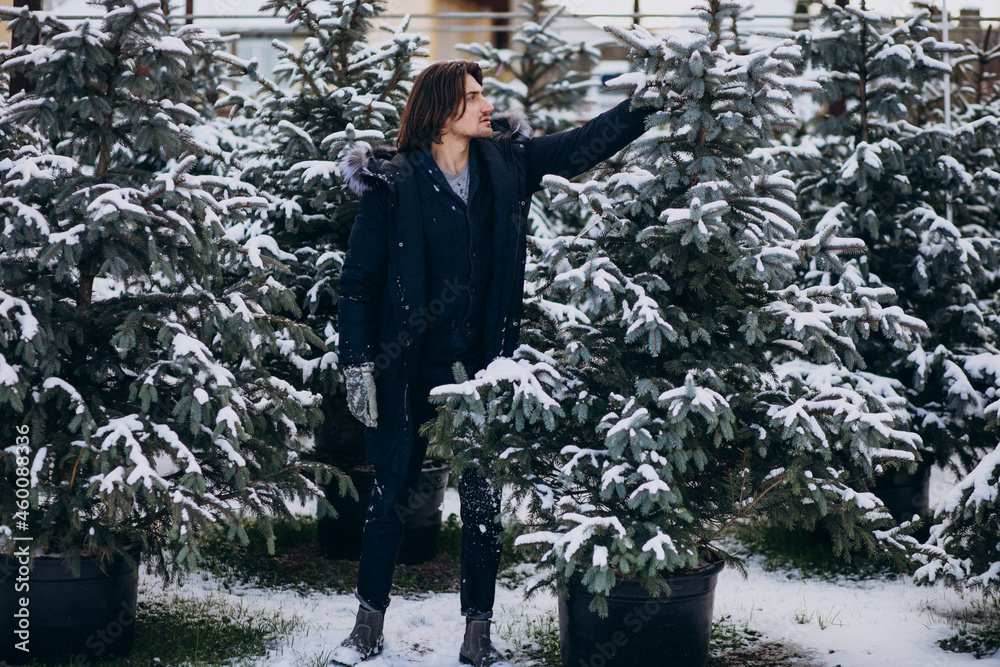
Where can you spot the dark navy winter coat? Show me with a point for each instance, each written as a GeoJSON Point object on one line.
{"type": "Point", "coordinates": [383, 306]}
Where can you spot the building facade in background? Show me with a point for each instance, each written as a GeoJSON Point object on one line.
{"type": "Point", "coordinates": [437, 20]}
{"type": "Point", "coordinates": [446, 32]}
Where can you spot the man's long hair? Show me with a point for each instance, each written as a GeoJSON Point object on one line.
{"type": "Point", "coordinates": [438, 94]}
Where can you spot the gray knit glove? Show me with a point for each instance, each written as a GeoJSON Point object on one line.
{"type": "Point", "coordinates": [361, 392]}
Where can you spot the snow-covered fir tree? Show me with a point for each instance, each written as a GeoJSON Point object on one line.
{"type": "Point", "coordinates": [139, 310]}
{"type": "Point", "coordinates": [642, 417]}
{"type": "Point", "coordinates": [964, 547]}
{"type": "Point", "coordinates": [343, 85]}
{"type": "Point", "coordinates": [906, 184]}
{"type": "Point", "coordinates": [976, 96]}
{"type": "Point", "coordinates": [977, 84]}
{"type": "Point", "coordinates": [12, 135]}
{"type": "Point", "coordinates": [919, 193]}
{"type": "Point", "coordinates": [205, 72]}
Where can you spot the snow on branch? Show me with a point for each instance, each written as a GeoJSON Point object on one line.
{"type": "Point", "coordinates": [130, 431]}
{"type": "Point", "coordinates": [526, 379]}
{"type": "Point", "coordinates": [979, 487]}
{"type": "Point", "coordinates": [27, 327]}
{"type": "Point", "coordinates": [580, 528]}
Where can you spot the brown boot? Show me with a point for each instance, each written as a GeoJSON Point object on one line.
{"type": "Point", "coordinates": [477, 649]}
{"type": "Point", "coordinates": [365, 640]}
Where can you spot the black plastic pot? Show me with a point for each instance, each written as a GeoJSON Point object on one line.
{"type": "Point", "coordinates": [341, 537]}
{"type": "Point", "coordinates": [668, 630]}
{"type": "Point", "coordinates": [905, 494]}
{"type": "Point", "coordinates": [69, 619]}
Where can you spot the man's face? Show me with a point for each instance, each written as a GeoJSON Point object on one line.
{"type": "Point", "coordinates": [475, 122]}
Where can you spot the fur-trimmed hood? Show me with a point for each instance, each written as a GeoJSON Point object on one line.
{"type": "Point", "coordinates": [513, 122]}
{"type": "Point", "coordinates": [364, 165]}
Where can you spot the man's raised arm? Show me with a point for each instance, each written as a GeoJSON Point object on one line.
{"type": "Point", "coordinates": [572, 152]}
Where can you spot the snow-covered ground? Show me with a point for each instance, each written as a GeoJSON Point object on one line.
{"type": "Point", "coordinates": [871, 623]}
{"type": "Point", "coordinates": [852, 624]}
{"type": "Point", "coordinates": [861, 624]}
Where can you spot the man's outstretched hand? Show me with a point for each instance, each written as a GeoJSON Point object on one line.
{"type": "Point", "coordinates": [361, 393]}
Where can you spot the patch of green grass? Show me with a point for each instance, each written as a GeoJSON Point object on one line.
{"type": "Point", "coordinates": [535, 638]}
{"type": "Point", "coordinates": [810, 555]}
{"type": "Point", "coordinates": [206, 631]}
{"type": "Point", "coordinates": [199, 632]}
{"type": "Point", "coordinates": [824, 620]}
{"type": "Point", "coordinates": [978, 629]}
{"type": "Point", "coordinates": [727, 636]}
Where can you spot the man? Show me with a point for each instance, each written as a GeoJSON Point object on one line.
{"type": "Point", "coordinates": [434, 274]}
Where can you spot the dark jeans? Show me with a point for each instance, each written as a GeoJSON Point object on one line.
{"type": "Point", "coordinates": [394, 498]}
